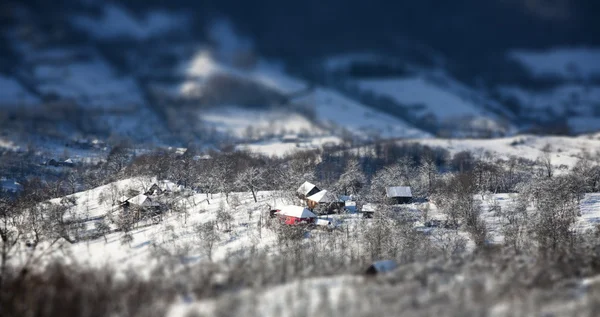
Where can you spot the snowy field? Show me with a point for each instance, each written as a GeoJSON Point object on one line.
{"type": "Point", "coordinates": [566, 62]}
{"type": "Point", "coordinates": [13, 94]}
{"type": "Point", "coordinates": [117, 22]}
{"type": "Point", "coordinates": [563, 150]}
{"type": "Point", "coordinates": [176, 236]}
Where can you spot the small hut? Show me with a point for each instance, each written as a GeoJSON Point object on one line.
{"type": "Point", "coordinates": [307, 189]}
{"type": "Point", "coordinates": [368, 210]}
{"type": "Point", "coordinates": [295, 215]}
{"type": "Point", "coordinates": [324, 200]}
{"type": "Point", "coordinates": [399, 194]}
{"type": "Point", "coordinates": [379, 267]}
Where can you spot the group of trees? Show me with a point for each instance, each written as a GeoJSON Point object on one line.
{"type": "Point", "coordinates": [538, 223]}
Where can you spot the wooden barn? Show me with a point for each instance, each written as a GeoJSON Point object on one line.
{"type": "Point", "coordinates": [379, 267]}
{"type": "Point", "coordinates": [399, 194]}
{"type": "Point", "coordinates": [295, 215]}
{"type": "Point", "coordinates": [307, 189]}
{"type": "Point", "coordinates": [368, 210]}
{"type": "Point", "coordinates": [143, 207]}
{"type": "Point", "coordinates": [324, 201]}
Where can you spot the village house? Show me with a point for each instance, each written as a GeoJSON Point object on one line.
{"type": "Point", "coordinates": [324, 201]}
{"type": "Point", "coordinates": [399, 194]}
{"type": "Point", "coordinates": [141, 201]}
{"type": "Point", "coordinates": [307, 189]}
{"type": "Point", "coordinates": [154, 190]}
{"type": "Point", "coordinates": [295, 215]}
{"type": "Point", "coordinates": [66, 163]}
{"type": "Point", "coordinates": [143, 207]}
{"type": "Point", "coordinates": [368, 210]}
{"type": "Point", "coordinates": [379, 267]}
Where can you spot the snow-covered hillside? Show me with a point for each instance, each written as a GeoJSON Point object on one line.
{"type": "Point", "coordinates": [566, 62]}
{"type": "Point", "coordinates": [117, 22]}
{"type": "Point", "coordinates": [331, 109]}
{"type": "Point", "coordinates": [563, 150]}
{"type": "Point", "coordinates": [13, 94]}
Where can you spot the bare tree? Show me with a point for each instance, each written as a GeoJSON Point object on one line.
{"type": "Point", "coordinates": [10, 222]}
{"type": "Point", "coordinates": [208, 236]}
{"type": "Point", "coordinates": [102, 229]}
{"type": "Point", "coordinates": [251, 179]}
{"type": "Point", "coordinates": [545, 160]}
{"type": "Point", "coordinates": [118, 158]}
{"type": "Point", "coordinates": [352, 180]}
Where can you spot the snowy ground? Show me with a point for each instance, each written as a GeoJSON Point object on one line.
{"type": "Point", "coordinates": [241, 122]}
{"type": "Point", "coordinates": [117, 22]}
{"type": "Point", "coordinates": [332, 109]}
{"type": "Point", "coordinates": [566, 62]}
{"type": "Point", "coordinates": [176, 234]}
{"type": "Point", "coordinates": [423, 96]}
{"type": "Point", "coordinates": [13, 94]}
{"type": "Point", "coordinates": [564, 150]}
{"type": "Point", "coordinates": [277, 147]}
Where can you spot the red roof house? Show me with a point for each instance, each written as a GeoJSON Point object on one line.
{"type": "Point", "coordinates": [294, 215]}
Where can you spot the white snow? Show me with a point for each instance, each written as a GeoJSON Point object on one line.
{"type": "Point", "coordinates": [242, 122]}
{"type": "Point", "coordinates": [564, 150]}
{"type": "Point", "coordinates": [296, 298]}
{"type": "Point", "coordinates": [584, 124]}
{"type": "Point", "coordinates": [13, 94]}
{"type": "Point", "coordinates": [280, 148]}
{"type": "Point", "coordinates": [343, 61]}
{"type": "Point", "coordinates": [117, 22]}
{"type": "Point", "coordinates": [8, 144]}
{"type": "Point", "coordinates": [9, 185]}
{"type": "Point", "coordinates": [176, 232]}
{"type": "Point", "coordinates": [323, 196]}
{"type": "Point", "coordinates": [296, 211]}
{"type": "Point", "coordinates": [338, 111]}
{"type": "Point", "coordinates": [331, 108]}
{"type": "Point", "coordinates": [569, 63]}
{"type": "Point", "coordinates": [93, 83]}
{"type": "Point", "coordinates": [98, 201]}
{"type": "Point", "coordinates": [562, 100]}
{"type": "Point", "coordinates": [590, 212]}
{"type": "Point", "coordinates": [423, 96]}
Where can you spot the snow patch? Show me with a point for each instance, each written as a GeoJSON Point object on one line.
{"type": "Point", "coordinates": [117, 22]}
{"type": "Point", "coordinates": [423, 96]}
{"type": "Point", "coordinates": [569, 63]}
{"type": "Point", "coordinates": [13, 94]}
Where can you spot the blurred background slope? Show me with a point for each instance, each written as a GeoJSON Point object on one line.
{"type": "Point", "coordinates": [214, 72]}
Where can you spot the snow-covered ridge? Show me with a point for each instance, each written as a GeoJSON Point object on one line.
{"type": "Point", "coordinates": [117, 22]}
{"type": "Point", "coordinates": [13, 94]}
{"type": "Point", "coordinates": [569, 63]}
{"type": "Point", "coordinates": [332, 109]}
{"type": "Point", "coordinates": [563, 150]}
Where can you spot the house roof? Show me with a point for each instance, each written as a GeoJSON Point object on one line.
{"type": "Point", "coordinates": [306, 188]}
{"type": "Point", "coordinates": [10, 185]}
{"type": "Point", "coordinates": [384, 266]}
{"type": "Point", "coordinates": [142, 200]}
{"type": "Point", "coordinates": [368, 207]}
{"type": "Point", "coordinates": [398, 191]}
{"type": "Point", "coordinates": [345, 198]}
{"type": "Point", "coordinates": [323, 197]}
{"type": "Point", "coordinates": [296, 211]}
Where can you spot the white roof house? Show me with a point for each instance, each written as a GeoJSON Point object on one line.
{"type": "Point", "coordinates": [143, 201]}
{"type": "Point", "coordinates": [10, 185]}
{"type": "Point", "coordinates": [398, 191]}
{"type": "Point", "coordinates": [383, 266]}
{"type": "Point", "coordinates": [368, 207]}
{"type": "Point", "coordinates": [306, 188]}
{"type": "Point", "coordinates": [297, 212]}
{"type": "Point", "coordinates": [323, 197]}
